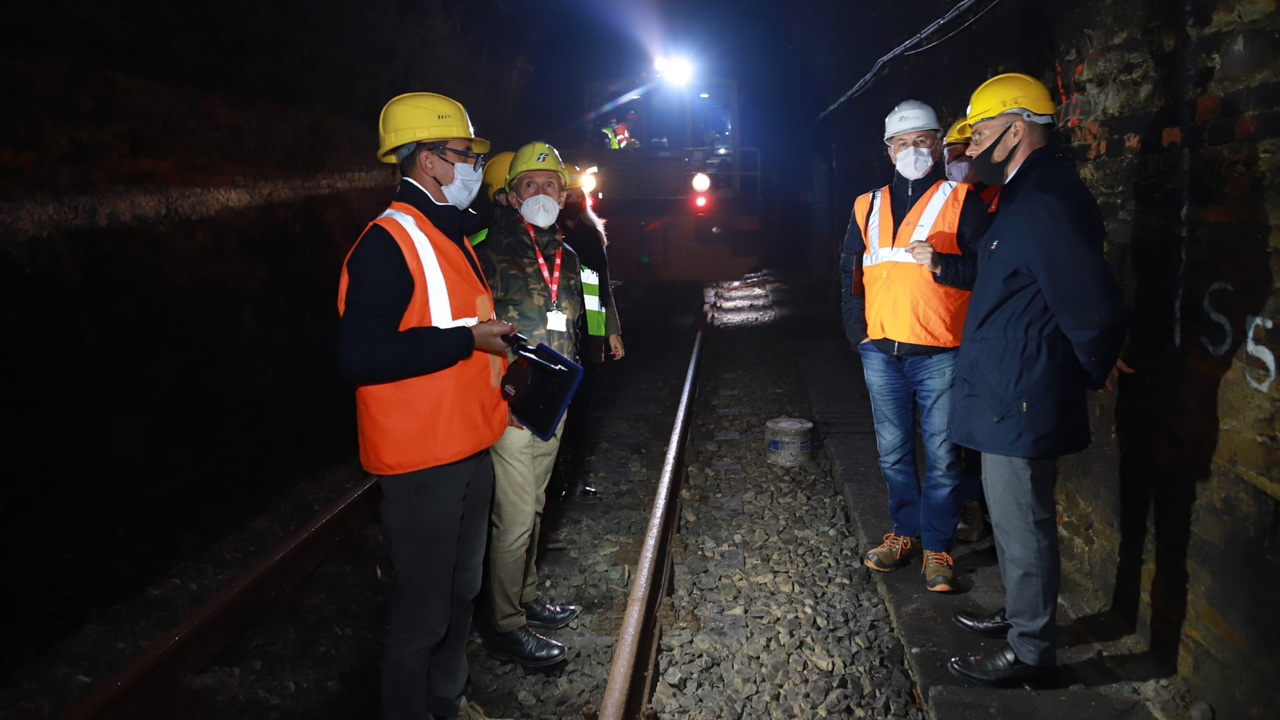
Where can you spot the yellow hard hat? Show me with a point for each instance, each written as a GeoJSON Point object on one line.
{"type": "Point", "coordinates": [958, 133]}
{"type": "Point", "coordinates": [536, 155]}
{"type": "Point", "coordinates": [1011, 91]}
{"type": "Point", "coordinates": [574, 174]}
{"type": "Point", "coordinates": [495, 173]}
{"type": "Point", "coordinates": [417, 117]}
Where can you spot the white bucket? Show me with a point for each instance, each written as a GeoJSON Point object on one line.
{"type": "Point", "coordinates": [788, 441]}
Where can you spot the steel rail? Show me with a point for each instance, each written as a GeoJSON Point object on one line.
{"type": "Point", "coordinates": [154, 676]}
{"type": "Point", "coordinates": [638, 629]}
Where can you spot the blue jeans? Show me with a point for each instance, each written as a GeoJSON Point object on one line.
{"type": "Point", "coordinates": [897, 384]}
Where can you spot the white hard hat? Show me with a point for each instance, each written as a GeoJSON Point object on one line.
{"type": "Point", "coordinates": [910, 116]}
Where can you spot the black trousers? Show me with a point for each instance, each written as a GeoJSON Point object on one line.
{"type": "Point", "coordinates": [577, 436]}
{"type": "Point", "coordinates": [436, 521]}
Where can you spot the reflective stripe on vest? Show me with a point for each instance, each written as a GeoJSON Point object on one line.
{"type": "Point", "coordinates": [877, 254]}
{"type": "Point", "coordinates": [437, 291]}
{"type": "Point", "coordinates": [591, 301]}
{"type": "Point", "coordinates": [443, 416]}
{"type": "Point", "coordinates": [903, 301]}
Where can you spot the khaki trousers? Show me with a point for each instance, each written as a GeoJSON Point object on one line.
{"type": "Point", "coordinates": [522, 465]}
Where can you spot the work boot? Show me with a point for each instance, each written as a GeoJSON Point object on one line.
{"type": "Point", "coordinates": [939, 571]}
{"type": "Point", "coordinates": [895, 552]}
{"type": "Point", "coordinates": [525, 647]}
{"type": "Point", "coordinates": [548, 617]}
{"type": "Point", "coordinates": [971, 526]}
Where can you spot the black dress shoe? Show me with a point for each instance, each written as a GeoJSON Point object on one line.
{"type": "Point", "coordinates": [526, 647]}
{"type": "Point", "coordinates": [995, 625]}
{"type": "Point", "coordinates": [1001, 669]}
{"type": "Point", "coordinates": [549, 617]}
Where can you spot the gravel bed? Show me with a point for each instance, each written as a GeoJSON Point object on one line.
{"type": "Point", "coordinates": [773, 615]}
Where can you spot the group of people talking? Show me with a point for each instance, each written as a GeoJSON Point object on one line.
{"type": "Point", "coordinates": [975, 291]}
{"type": "Point", "coordinates": [429, 300]}
{"type": "Point", "coordinates": [978, 298]}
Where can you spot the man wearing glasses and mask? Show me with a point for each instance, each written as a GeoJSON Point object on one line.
{"type": "Point", "coordinates": [1045, 324]}
{"type": "Point", "coordinates": [905, 323]}
{"type": "Point", "coordinates": [418, 339]}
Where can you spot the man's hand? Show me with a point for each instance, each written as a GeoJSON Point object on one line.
{"type": "Point", "coordinates": [1110, 385]}
{"type": "Point", "coordinates": [922, 251]}
{"type": "Point", "coordinates": [513, 422]}
{"type": "Point", "coordinates": [616, 350]}
{"type": "Point", "coordinates": [488, 335]}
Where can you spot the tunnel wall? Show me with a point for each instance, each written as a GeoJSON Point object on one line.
{"type": "Point", "coordinates": [179, 187]}
{"type": "Point", "coordinates": [1171, 112]}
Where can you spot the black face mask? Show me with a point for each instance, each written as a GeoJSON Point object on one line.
{"type": "Point", "coordinates": [987, 170]}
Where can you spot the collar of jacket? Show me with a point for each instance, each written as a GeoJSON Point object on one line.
{"type": "Point", "coordinates": [1038, 157]}
{"type": "Point", "coordinates": [548, 238]}
{"type": "Point", "coordinates": [447, 218]}
{"type": "Point", "coordinates": [913, 189]}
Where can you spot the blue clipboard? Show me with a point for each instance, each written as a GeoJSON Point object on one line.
{"type": "Point", "coordinates": [538, 386]}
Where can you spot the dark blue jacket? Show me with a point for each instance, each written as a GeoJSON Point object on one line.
{"type": "Point", "coordinates": [1046, 319]}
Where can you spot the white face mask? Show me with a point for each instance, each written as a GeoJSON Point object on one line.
{"type": "Point", "coordinates": [958, 169]}
{"type": "Point", "coordinates": [467, 179]}
{"type": "Point", "coordinates": [540, 210]}
{"type": "Point", "coordinates": [914, 162]}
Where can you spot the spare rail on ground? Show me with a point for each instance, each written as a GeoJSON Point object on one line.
{"type": "Point", "coordinates": [156, 675]}
{"type": "Point", "coordinates": [629, 682]}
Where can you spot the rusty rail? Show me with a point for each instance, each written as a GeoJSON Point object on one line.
{"type": "Point", "coordinates": [155, 675]}
{"type": "Point", "coordinates": [629, 682]}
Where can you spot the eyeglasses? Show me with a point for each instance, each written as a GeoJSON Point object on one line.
{"type": "Point", "coordinates": [982, 131]}
{"type": "Point", "coordinates": [479, 158]}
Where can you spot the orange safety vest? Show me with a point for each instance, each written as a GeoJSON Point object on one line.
{"type": "Point", "coordinates": [433, 419]}
{"type": "Point", "coordinates": [903, 301]}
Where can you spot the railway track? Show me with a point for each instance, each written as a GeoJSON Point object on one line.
{"type": "Point", "coordinates": [158, 681]}
{"type": "Point", "coordinates": [654, 630]}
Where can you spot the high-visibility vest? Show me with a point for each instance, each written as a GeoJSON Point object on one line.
{"type": "Point", "coordinates": [623, 134]}
{"type": "Point", "coordinates": [444, 416]}
{"type": "Point", "coordinates": [903, 301]}
{"type": "Point", "coordinates": [591, 301]}
{"type": "Point", "coordinates": [613, 139]}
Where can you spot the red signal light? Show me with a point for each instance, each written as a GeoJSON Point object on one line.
{"type": "Point", "coordinates": [700, 201]}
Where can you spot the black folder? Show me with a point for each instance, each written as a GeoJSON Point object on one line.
{"type": "Point", "coordinates": [538, 385]}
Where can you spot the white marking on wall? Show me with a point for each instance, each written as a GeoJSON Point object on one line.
{"type": "Point", "coordinates": [1219, 349]}
{"type": "Point", "coordinates": [1262, 352]}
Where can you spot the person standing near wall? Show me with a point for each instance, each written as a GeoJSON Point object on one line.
{"type": "Point", "coordinates": [537, 284]}
{"type": "Point", "coordinates": [1045, 324]}
{"type": "Point", "coordinates": [959, 167]}
{"type": "Point", "coordinates": [418, 339]}
{"type": "Point", "coordinates": [906, 327]}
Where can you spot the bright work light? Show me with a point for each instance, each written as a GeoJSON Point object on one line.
{"type": "Point", "coordinates": [677, 71]}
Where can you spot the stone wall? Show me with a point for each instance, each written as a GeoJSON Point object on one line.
{"type": "Point", "coordinates": [1171, 111]}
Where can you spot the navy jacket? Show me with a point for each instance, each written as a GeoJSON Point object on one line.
{"type": "Point", "coordinates": [1046, 319]}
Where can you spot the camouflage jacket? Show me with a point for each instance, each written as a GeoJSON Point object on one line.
{"type": "Point", "coordinates": [520, 292]}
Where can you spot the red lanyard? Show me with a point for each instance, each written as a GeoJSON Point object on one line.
{"type": "Point", "coordinates": [552, 278]}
